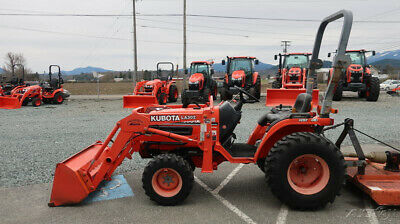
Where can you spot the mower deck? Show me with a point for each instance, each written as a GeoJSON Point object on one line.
{"type": "Point", "coordinates": [381, 185]}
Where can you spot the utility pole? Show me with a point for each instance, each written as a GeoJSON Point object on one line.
{"type": "Point", "coordinates": [285, 44]}
{"type": "Point", "coordinates": [134, 78]}
{"type": "Point", "coordinates": [184, 44]}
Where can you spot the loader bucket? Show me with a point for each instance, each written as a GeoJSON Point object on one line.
{"type": "Point", "coordinates": [71, 185]}
{"type": "Point", "coordinates": [287, 97]}
{"type": "Point", "coordinates": [9, 102]}
{"type": "Point", "coordinates": [139, 101]}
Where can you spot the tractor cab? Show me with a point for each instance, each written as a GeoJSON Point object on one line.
{"type": "Point", "coordinates": [200, 74]}
{"type": "Point", "coordinates": [292, 70]}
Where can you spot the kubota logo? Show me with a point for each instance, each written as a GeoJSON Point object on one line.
{"type": "Point", "coordinates": [165, 118]}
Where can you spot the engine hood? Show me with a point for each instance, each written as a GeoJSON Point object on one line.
{"type": "Point", "coordinates": [238, 74]}
{"type": "Point", "coordinates": [197, 77]}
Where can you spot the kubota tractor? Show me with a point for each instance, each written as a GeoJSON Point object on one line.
{"type": "Point", "coordinates": [15, 82]}
{"type": "Point", "coordinates": [240, 72]}
{"type": "Point", "coordinates": [53, 91]}
{"type": "Point", "coordinates": [291, 80]}
{"type": "Point", "coordinates": [305, 170]}
{"type": "Point", "coordinates": [160, 90]}
{"type": "Point", "coordinates": [201, 83]}
{"type": "Point", "coordinates": [357, 77]}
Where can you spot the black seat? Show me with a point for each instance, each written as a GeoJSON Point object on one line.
{"type": "Point", "coordinates": [228, 118]}
{"type": "Point", "coordinates": [302, 105]}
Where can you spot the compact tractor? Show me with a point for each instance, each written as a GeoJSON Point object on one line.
{"type": "Point", "coordinates": [357, 77]}
{"type": "Point", "coordinates": [304, 169]}
{"type": "Point", "coordinates": [201, 83]}
{"type": "Point", "coordinates": [240, 72]}
{"type": "Point", "coordinates": [160, 90]}
{"type": "Point", "coordinates": [15, 82]}
{"type": "Point", "coordinates": [291, 80]}
{"type": "Point", "coordinates": [47, 92]}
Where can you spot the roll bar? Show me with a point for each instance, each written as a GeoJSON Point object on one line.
{"type": "Point", "coordinates": [339, 62]}
{"type": "Point", "coordinates": [59, 74]}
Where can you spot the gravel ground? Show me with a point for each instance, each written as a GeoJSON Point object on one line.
{"type": "Point", "coordinates": [33, 140]}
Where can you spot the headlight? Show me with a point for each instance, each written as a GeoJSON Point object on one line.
{"type": "Point", "coordinates": [238, 79]}
{"type": "Point", "coordinates": [148, 86]}
{"type": "Point", "coordinates": [194, 83]}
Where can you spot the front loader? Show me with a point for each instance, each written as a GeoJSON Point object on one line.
{"type": "Point", "coordinates": [160, 90]}
{"type": "Point", "coordinates": [291, 80]}
{"type": "Point", "coordinates": [305, 170]}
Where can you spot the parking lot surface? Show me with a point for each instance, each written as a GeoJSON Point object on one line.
{"type": "Point", "coordinates": [35, 139]}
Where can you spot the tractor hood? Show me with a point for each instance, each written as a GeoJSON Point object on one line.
{"type": "Point", "coordinates": [239, 74]}
{"type": "Point", "coordinates": [152, 82]}
{"type": "Point", "coordinates": [196, 78]}
{"type": "Point", "coordinates": [355, 68]}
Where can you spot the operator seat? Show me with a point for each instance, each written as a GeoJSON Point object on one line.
{"type": "Point", "coordinates": [302, 105]}
{"type": "Point", "coordinates": [228, 119]}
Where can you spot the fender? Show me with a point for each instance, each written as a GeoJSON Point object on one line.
{"type": "Point", "coordinates": [255, 76]}
{"type": "Point", "coordinates": [54, 92]}
{"type": "Point", "coordinates": [287, 127]}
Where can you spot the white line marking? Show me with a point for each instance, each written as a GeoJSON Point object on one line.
{"type": "Point", "coordinates": [370, 211]}
{"type": "Point", "coordinates": [228, 178]}
{"type": "Point", "coordinates": [230, 206]}
{"type": "Point", "coordinates": [281, 219]}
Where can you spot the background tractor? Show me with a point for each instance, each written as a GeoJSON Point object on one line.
{"type": "Point", "coordinates": [291, 80]}
{"type": "Point", "coordinates": [160, 90]}
{"type": "Point", "coordinates": [8, 85]}
{"type": "Point", "coordinates": [357, 77]}
{"type": "Point", "coordinates": [201, 83]}
{"type": "Point", "coordinates": [53, 91]}
{"type": "Point", "coordinates": [240, 72]}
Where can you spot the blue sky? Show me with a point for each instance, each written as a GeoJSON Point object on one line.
{"type": "Point", "coordinates": [107, 41]}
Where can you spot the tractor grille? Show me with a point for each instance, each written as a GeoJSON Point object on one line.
{"type": "Point", "coordinates": [356, 77]}
{"type": "Point", "coordinates": [237, 83]}
{"type": "Point", "coordinates": [148, 89]}
{"type": "Point", "coordinates": [193, 86]}
{"type": "Point", "coordinates": [293, 78]}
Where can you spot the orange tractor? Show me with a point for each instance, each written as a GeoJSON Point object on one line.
{"type": "Point", "coordinates": [7, 87]}
{"type": "Point", "coordinates": [240, 72]}
{"type": "Point", "coordinates": [305, 170]}
{"type": "Point", "coordinates": [48, 92]}
{"type": "Point", "coordinates": [160, 90]}
{"type": "Point", "coordinates": [201, 83]}
{"type": "Point", "coordinates": [357, 77]}
{"type": "Point", "coordinates": [291, 80]}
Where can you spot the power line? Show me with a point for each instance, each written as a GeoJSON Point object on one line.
{"type": "Point", "coordinates": [179, 15]}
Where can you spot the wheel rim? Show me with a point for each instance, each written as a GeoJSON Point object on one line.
{"type": "Point", "coordinates": [167, 182]}
{"type": "Point", "coordinates": [176, 94]}
{"type": "Point", "coordinates": [59, 99]}
{"type": "Point", "coordinates": [37, 102]}
{"type": "Point", "coordinates": [308, 174]}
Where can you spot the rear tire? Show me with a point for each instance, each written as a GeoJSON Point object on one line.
{"type": "Point", "coordinates": [36, 102]}
{"type": "Point", "coordinates": [206, 95]}
{"type": "Point", "coordinates": [361, 94]}
{"type": "Point", "coordinates": [261, 164]}
{"type": "Point", "coordinates": [168, 179]}
{"type": "Point", "coordinates": [305, 171]}
{"type": "Point", "coordinates": [373, 90]}
{"type": "Point", "coordinates": [338, 93]}
{"type": "Point", "coordinates": [58, 98]}
{"type": "Point", "coordinates": [173, 94]}
{"type": "Point", "coordinates": [258, 87]}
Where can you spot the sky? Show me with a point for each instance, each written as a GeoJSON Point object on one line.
{"type": "Point", "coordinates": [107, 41]}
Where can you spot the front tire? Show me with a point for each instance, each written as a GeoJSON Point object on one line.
{"type": "Point", "coordinates": [36, 102]}
{"type": "Point", "coordinates": [373, 89]}
{"type": "Point", "coordinates": [305, 171]}
{"type": "Point", "coordinates": [173, 94]}
{"type": "Point", "coordinates": [338, 93]}
{"type": "Point", "coordinates": [168, 179]}
{"type": "Point", "coordinates": [276, 84]}
{"type": "Point", "coordinates": [225, 95]}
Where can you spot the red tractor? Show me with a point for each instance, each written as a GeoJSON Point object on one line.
{"type": "Point", "coordinates": [201, 83]}
{"type": "Point", "coordinates": [304, 169]}
{"type": "Point", "coordinates": [160, 90]}
{"type": "Point", "coordinates": [240, 72]}
{"type": "Point", "coordinates": [357, 77]}
{"type": "Point", "coordinates": [48, 92]}
{"type": "Point", "coordinates": [7, 87]}
{"type": "Point", "coordinates": [291, 80]}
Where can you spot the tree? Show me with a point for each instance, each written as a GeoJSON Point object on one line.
{"type": "Point", "coordinates": [12, 62]}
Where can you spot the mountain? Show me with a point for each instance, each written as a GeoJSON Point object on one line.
{"type": "Point", "coordinates": [395, 63]}
{"type": "Point", "coordinates": [260, 67]}
{"type": "Point", "coordinates": [395, 54]}
{"type": "Point", "coordinates": [89, 69]}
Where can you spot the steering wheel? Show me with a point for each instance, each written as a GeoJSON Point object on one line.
{"type": "Point", "coordinates": [247, 93]}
